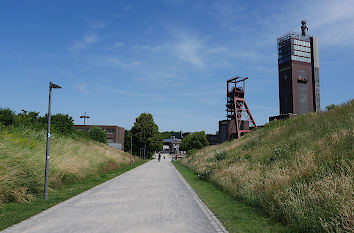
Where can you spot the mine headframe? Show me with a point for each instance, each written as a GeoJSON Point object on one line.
{"type": "Point", "coordinates": [238, 113]}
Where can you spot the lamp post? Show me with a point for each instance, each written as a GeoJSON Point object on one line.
{"type": "Point", "coordinates": [51, 85]}
{"type": "Point", "coordinates": [84, 116]}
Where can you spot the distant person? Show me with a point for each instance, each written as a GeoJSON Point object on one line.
{"type": "Point", "coordinates": [159, 157]}
{"type": "Point", "coordinates": [164, 157]}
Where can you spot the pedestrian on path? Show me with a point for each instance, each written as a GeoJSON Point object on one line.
{"type": "Point", "coordinates": [159, 157]}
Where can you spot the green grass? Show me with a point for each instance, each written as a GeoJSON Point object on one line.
{"type": "Point", "coordinates": [235, 215]}
{"type": "Point", "coordinates": [22, 160]}
{"type": "Point", "coordinates": [14, 212]}
{"type": "Point", "coordinates": [299, 171]}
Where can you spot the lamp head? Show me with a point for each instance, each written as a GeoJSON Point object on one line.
{"type": "Point", "coordinates": [52, 85]}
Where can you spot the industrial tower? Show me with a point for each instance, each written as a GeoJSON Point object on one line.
{"type": "Point", "coordinates": [299, 81]}
{"type": "Point", "coordinates": [239, 116]}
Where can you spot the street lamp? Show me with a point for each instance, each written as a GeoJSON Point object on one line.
{"type": "Point", "coordinates": [84, 116]}
{"type": "Point", "coordinates": [51, 85]}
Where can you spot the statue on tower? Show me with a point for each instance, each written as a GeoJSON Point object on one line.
{"type": "Point", "coordinates": [304, 28]}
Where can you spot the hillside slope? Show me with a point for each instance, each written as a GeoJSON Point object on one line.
{"type": "Point", "coordinates": [298, 171]}
{"type": "Point", "coordinates": [22, 162]}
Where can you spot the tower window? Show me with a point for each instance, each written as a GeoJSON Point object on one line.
{"type": "Point", "coordinates": [302, 75]}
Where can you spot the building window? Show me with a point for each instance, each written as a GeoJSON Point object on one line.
{"type": "Point", "coordinates": [302, 59]}
{"type": "Point", "coordinates": [302, 75]}
{"type": "Point", "coordinates": [110, 130]}
{"type": "Point", "coordinates": [286, 59]}
{"type": "Point", "coordinates": [302, 43]}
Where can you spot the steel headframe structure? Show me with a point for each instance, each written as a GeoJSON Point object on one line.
{"type": "Point", "coordinates": [238, 112]}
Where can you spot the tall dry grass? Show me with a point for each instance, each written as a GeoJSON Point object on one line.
{"type": "Point", "coordinates": [22, 161]}
{"type": "Point", "coordinates": [298, 171]}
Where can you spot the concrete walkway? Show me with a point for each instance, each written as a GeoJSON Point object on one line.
{"type": "Point", "coordinates": [150, 198]}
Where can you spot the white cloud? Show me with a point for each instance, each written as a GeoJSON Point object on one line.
{"type": "Point", "coordinates": [112, 60]}
{"type": "Point", "coordinates": [116, 45]}
{"type": "Point", "coordinates": [87, 40]}
{"type": "Point", "coordinates": [123, 12]}
{"type": "Point", "coordinates": [333, 21]}
{"type": "Point", "coordinates": [189, 49]}
{"type": "Point", "coordinates": [98, 24]}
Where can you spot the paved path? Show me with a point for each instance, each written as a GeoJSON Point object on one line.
{"type": "Point", "coordinates": [150, 198]}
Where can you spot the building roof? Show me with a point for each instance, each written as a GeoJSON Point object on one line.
{"type": "Point", "coordinates": [172, 140]}
{"type": "Point", "coordinates": [296, 35]}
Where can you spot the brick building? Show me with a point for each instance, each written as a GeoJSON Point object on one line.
{"type": "Point", "coordinates": [299, 84]}
{"type": "Point", "coordinates": [115, 134]}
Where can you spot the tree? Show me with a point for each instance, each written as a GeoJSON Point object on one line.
{"type": "Point", "coordinates": [195, 140]}
{"type": "Point", "coordinates": [61, 123]}
{"type": "Point", "coordinates": [127, 140]}
{"type": "Point", "coordinates": [98, 134]}
{"type": "Point", "coordinates": [29, 119]}
{"type": "Point", "coordinates": [7, 117]}
{"type": "Point", "coordinates": [167, 134]}
{"type": "Point", "coordinates": [146, 132]}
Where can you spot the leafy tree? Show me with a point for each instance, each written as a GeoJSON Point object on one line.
{"type": "Point", "coordinates": [7, 117]}
{"type": "Point", "coordinates": [98, 134]}
{"type": "Point", "coordinates": [29, 119]}
{"type": "Point", "coordinates": [145, 131]}
{"type": "Point", "coordinates": [127, 136]}
{"type": "Point", "coordinates": [195, 140]}
{"type": "Point", "coordinates": [167, 134]}
{"type": "Point", "coordinates": [60, 123]}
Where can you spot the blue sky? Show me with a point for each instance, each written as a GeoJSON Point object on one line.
{"type": "Point", "coordinates": [118, 59]}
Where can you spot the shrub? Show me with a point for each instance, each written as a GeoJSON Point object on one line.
{"type": "Point", "coordinates": [98, 134]}
{"type": "Point", "coordinates": [330, 107]}
{"type": "Point", "coordinates": [195, 140]}
{"type": "Point", "coordinates": [7, 117]}
{"type": "Point", "coordinates": [29, 119]}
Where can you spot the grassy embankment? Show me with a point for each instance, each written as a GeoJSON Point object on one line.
{"type": "Point", "coordinates": [298, 171]}
{"type": "Point", "coordinates": [75, 166]}
{"type": "Point", "coordinates": [235, 215]}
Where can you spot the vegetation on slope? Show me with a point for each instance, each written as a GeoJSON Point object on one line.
{"type": "Point", "coordinates": [234, 215]}
{"type": "Point", "coordinates": [22, 161]}
{"type": "Point", "coordinates": [299, 171]}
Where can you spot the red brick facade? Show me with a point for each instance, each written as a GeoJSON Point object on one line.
{"type": "Point", "coordinates": [115, 134]}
